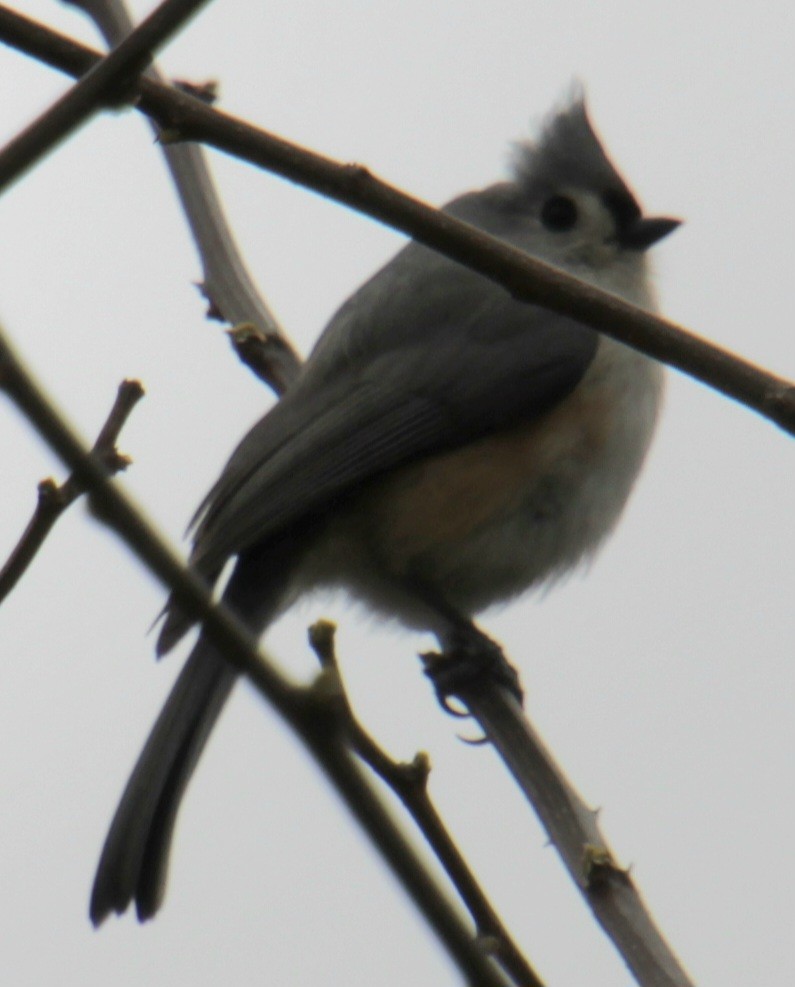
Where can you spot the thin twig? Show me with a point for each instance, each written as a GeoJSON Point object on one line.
{"type": "Point", "coordinates": [306, 710]}
{"type": "Point", "coordinates": [53, 499]}
{"type": "Point", "coordinates": [226, 283]}
{"type": "Point", "coordinates": [525, 277]}
{"type": "Point", "coordinates": [409, 781]}
{"type": "Point", "coordinates": [110, 80]}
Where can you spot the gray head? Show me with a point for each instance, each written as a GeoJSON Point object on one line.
{"type": "Point", "coordinates": [566, 181]}
{"type": "Point", "coordinates": [566, 204]}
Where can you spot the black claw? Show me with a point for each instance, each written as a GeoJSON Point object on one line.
{"type": "Point", "coordinates": [469, 658]}
{"type": "Point", "coordinates": [448, 707]}
{"type": "Point", "coordinates": [474, 741]}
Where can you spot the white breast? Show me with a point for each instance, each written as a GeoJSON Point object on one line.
{"type": "Point", "coordinates": [486, 522]}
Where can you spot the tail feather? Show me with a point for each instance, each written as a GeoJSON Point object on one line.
{"type": "Point", "coordinates": [134, 860]}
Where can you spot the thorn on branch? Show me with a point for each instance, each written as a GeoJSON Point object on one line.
{"type": "Point", "coordinates": [206, 91]}
{"type": "Point", "coordinates": [262, 352]}
{"type": "Point", "coordinates": [598, 867]}
{"type": "Point", "coordinates": [354, 173]}
{"type": "Point", "coordinates": [213, 311]}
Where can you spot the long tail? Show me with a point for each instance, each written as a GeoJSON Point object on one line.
{"type": "Point", "coordinates": [134, 861]}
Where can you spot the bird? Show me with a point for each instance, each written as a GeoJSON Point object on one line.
{"type": "Point", "coordinates": [446, 447]}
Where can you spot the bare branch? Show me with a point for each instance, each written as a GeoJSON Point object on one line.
{"type": "Point", "coordinates": [409, 781]}
{"type": "Point", "coordinates": [53, 499]}
{"type": "Point", "coordinates": [524, 276]}
{"type": "Point", "coordinates": [226, 282]}
{"type": "Point", "coordinates": [305, 710]}
{"type": "Point", "coordinates": [573, 830]}
{"type": "Point", "coordinates": [110, 80]}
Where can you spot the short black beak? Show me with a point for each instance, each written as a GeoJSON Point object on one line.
{"type": "Point", "coordinates": [642, 233]}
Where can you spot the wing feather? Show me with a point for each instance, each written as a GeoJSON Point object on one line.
{"type": "Point", "coordinates": [318, 445]}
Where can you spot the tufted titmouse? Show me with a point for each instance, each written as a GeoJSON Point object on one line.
{"type": "Point", "coordinates": [444, 448]}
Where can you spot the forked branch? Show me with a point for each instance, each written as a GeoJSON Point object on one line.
{"type": "Point", "coordinates": [54, 499]}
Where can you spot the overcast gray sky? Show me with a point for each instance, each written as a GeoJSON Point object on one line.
{"type": "Point", "coordinates": [663, 679]}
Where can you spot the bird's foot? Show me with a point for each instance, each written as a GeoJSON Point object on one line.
{"type": "Point", "coordinates": [468, 661]}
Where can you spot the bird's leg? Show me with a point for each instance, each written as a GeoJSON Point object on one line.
{"type": "Point", "coordinates": [468, 658]}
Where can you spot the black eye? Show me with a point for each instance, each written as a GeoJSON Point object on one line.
{"type": "Point", "coordinates": [559, 213]}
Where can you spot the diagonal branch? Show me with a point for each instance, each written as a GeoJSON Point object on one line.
{"type": "Point", "coordinates": [409, 782]}
{"type": "Point", "coordinates": [109, 79]}
{"type": "Point", "coordinates": [226, 282]}
{"type": "Point", "coordinates": [574, 831]}
{"type": "Point", "coordinates": [53, 500]}
{"type": "Point", "coordinates": [307, 711]}
{"type": "Point", "coordinates": [524, 276]}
